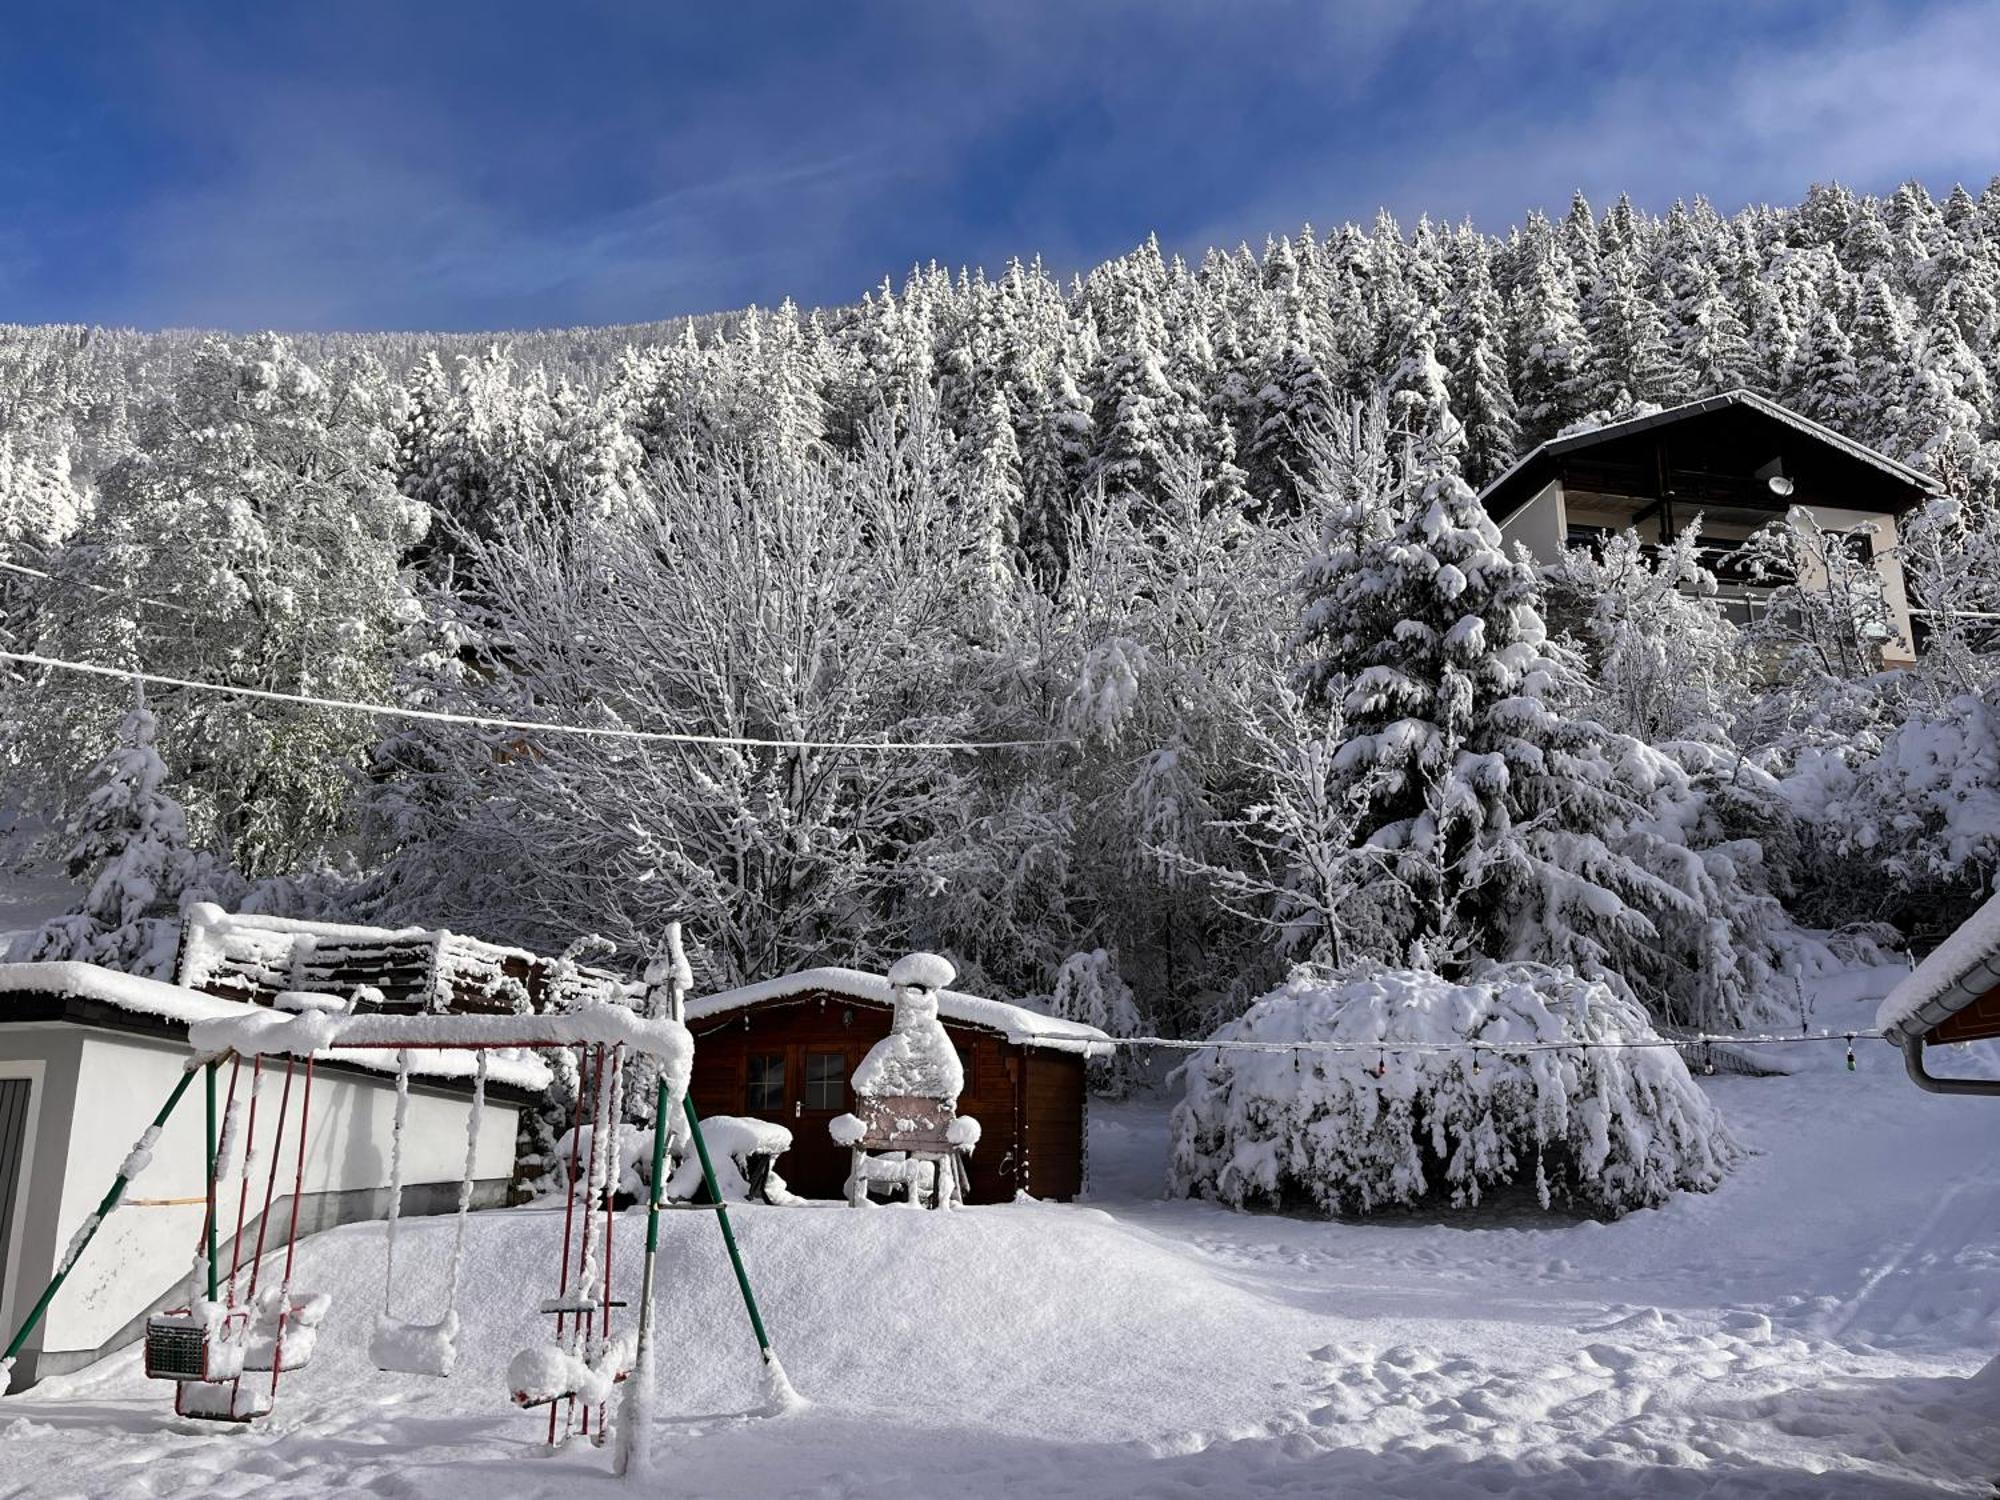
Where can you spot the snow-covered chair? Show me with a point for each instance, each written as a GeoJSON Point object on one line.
{"type": "Point", "coordinates": [745, 1154]}
{"type": "Point", "coordinates": [907, 1131]}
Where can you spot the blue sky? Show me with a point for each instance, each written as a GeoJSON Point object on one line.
{"type": "Point", "coordinates": [445, 165]}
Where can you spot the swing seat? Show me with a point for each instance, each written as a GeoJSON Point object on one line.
{"type": "Point", "coordinates": [578, 1306]}
{"type": "Point", "coordinates": [306, 1311]}
{"type": "Point", "coordinates": [544, 1374]}
{"type": "Point", "coordinates": [191, 1347]}
{"type": "Point", "coordinates": [415, 1348]}
{"type": "Point", "coordinates": [222, 1400]}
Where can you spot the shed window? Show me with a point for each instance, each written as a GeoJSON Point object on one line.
{"type": "Point", "coordinates": [766, 1088]}
{"type": "Point", "coordinates": [826, 1080]}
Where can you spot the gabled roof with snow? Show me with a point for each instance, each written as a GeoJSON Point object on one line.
{"type": "Point", "coordinates": [1023, 1027]}
{"type": "Point", "coordinates": [1960, 971]}
{"type": "Point", "coordinates": [1523, 481]}
{"type": "Point", "coordinates": [178, 1006]}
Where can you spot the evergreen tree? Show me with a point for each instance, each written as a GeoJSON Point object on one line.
{"type": "Point", "coordinates": [1881, 334]}
{"type": "Point", "coordinates": [1554, 361]}
{"type": "Point", "coordinates": [1492, 816]}
{"type": "Point", "coordinates": [1476, 350]}
{"type": "Point", "coordinates": [1296, 400]}
{"type": "Point", "coordinates": [1705, 333]}
{"type": "Point", "coordinates": [129, 841]}
{"type": "Point", "coordinates": [1825, 384]}
{"type": "Point", "coordinates": [1628, 334]}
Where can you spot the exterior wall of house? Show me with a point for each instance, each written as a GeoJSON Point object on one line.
{"type": "Point", "coordinates": [1888, 565]}
{"type": "Point", "coordinates": [103, 1088]}
{"type": "Point", "coordinates": [47, 1057]}
{"type": "Point", "coordinates": [1542, 525]}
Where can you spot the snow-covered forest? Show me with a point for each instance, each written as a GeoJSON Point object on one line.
{"type": "Point", "coordinates": [1209, 531]}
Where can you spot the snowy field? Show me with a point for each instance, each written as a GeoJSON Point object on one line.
{"type": "Point", "coordinates": [1814, 1328]}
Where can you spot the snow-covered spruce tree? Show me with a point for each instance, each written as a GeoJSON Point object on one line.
{"type": "Point", "coordinates": [1492, 815]}
{"type": "Point", "coordinates": [1554, 362]}
{"type": "Point", "coordinates": [1476, 351]}
{"type": "Point", "coordinates": [1090, 989]}
{"type": "Point", "coordinates": [1602, 1129]}
{"type": "Point", "coordinates": [129, 841]}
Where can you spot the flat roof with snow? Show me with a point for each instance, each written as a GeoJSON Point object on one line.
{"type": "Point", "coordinates": [1021, 1026]}
{"type": "Point", "coordinates": [88, 995]}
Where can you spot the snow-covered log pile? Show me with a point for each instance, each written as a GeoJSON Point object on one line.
{"type": "Point", "coordinates": [1412, 1114]}
{"type": "Point", "coordinates": [251, 956]}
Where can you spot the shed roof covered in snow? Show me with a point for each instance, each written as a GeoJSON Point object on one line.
{"type": "Point", "coordinates": [1953, 995]}
{"type": "Point", "coordinates": [1021, 1026]}
{"type": "Point", "coordinates": [88, 995]}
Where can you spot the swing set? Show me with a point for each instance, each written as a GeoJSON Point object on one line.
{"type": "Point", "coordinates": [239, 1326]}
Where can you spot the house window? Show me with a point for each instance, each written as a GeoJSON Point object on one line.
{"type": "Point", "coordinates": [826, 1080]}
{"type": "Point", "coordinates": [766, 1088]}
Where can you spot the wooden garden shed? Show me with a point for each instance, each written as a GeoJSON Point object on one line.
{"type": "Point", "coordinates": [1952, 996]}
{"type": "Point", "coordinates": [785, 1049]}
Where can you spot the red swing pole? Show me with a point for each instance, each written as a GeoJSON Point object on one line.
{"type": "Point", "coordinates": [569, 1203]}
{"type": "Point", "coordinates": [614, 1128]}
{"type": "Point", "coordinates": [292, 1234]}
{"type": "Point", "coordinates": [590, 1210]}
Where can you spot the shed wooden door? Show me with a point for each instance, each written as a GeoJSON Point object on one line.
{"type": "Point", "coordinates": [819, 1070]}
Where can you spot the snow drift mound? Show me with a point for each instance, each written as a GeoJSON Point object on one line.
{"type": "Point", "coordinates": [1454, 1114]}
{"type": "Point", "coordinates": [980, 1315]}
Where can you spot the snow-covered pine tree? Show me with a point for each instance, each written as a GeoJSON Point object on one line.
{"type": "Point", "coordinates": [1419, 397]}
{"type": "Point", "coordinates": [1554, 362]}
{"type": "Point", "coordinates": [1629, 334]}
{"type": "Point", "coordinates": [1882, 335]}
{"type": "Point", "coordinates": [129, 842]}
{"type": "Point", "coordinates": [1826, 385]}
{"type": "Point", "coordinates": [1090, 989]}
{"type": "Point", "coordinates": [1705, 332]}
{"type": "Point", "coordinates": [1490, 812]}
{"type": "Point", "coordinates": [1476, 352]}
{"type": "Point", "coordinates": [1294, 400]}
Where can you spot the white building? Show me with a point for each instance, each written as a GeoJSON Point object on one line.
{"type": "Point", "coordinates": [1728, 464]}
{"type": "Point", "coordinates": [88, 1056]}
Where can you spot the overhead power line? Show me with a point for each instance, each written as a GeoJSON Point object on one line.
{"type": "Point", "coordinates": [530, 726]}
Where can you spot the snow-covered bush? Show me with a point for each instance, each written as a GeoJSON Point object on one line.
{"type": "Point", "coordinates": [1605, 1129]}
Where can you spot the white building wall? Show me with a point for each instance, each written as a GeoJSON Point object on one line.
{"type": "Point", "coordinates": [1540, 525]}
{"type": "Point", "coordinates": [1888, 565]}
{"type": "Point", "coordinates": [121, 1081]}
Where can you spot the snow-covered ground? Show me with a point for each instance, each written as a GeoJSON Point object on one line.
{"type": "Point", "coordinates": [1811, 1329]}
